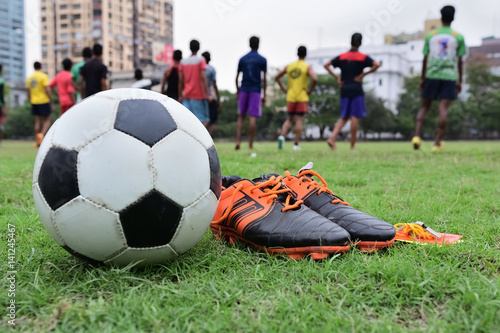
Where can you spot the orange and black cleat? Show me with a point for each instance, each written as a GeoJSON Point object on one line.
{"type": "Point", "coordinates": [368, 233]}
{"type": "Point", "coordinates": [264, 214]}
{"type": "Point", "coordinates": [418, 232]}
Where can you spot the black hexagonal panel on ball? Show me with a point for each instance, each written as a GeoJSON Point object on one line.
{"type": "Point", "coordinates": [151, 221]}
{"type": "Point", "coordinates": [144, 119]}
{"type": "Point", "coordinates": [215, 173]}
{"type": "Point", "coordinates": [58, 179]}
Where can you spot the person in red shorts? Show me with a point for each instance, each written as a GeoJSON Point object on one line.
{"type": "Point", "coordinates": [65, 89]}
{"type": "Point", "coordinates": [297, 95]}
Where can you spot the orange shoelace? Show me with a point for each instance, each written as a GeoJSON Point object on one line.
{"type": "Point", "coordinates": [415, 230]}
{"type": "Point", "coordinates": [272, 188]}
{"type": "Point", "coordinates": [322, 188]}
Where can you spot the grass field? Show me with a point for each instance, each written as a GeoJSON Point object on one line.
{"type": "Point", "coordinates": [216, 287]}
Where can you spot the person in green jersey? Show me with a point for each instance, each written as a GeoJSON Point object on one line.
{"type": "Point", "coordinates": [75, 72]}
{"type": "Point", "coordinates": [442, 71]}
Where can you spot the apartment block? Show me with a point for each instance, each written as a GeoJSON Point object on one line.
{"type": "Point", "coordinates": [126, 29]}
{"type": "Point", "coordinates": [12, 40]}
{"type": "Point", "coordinates": [487, 53]}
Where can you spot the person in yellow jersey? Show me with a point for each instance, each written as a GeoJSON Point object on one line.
{"type": "Point", "coordinates": [297, 95]}
{"type": "Point", "coordinates": [41, 100]}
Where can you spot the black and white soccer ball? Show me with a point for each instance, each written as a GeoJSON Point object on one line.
{"type": "Point", "coordinates": [127, 175]}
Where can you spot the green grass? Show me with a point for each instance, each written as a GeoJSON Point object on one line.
{"type": "Point", "coordinates": [216, 287]}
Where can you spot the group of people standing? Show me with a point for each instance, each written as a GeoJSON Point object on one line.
{"type": "Point", "coordinates": [442, 72]}
{"type": "Point", "coordinates": [301, 81]}
{"type": "Point", "coordinates": [192, 82]}
{"type": "Point", "coordinates": [73, 83]}
{"type": "Point", "coordinates": [441, 78]}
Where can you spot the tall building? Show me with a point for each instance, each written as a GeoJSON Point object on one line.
{"type": "Point", "coordinates": [488, 53]}
{"type": "Point", "coordinates": [12, 40]}
{"type": "Point", "coordinates": [70, 25]}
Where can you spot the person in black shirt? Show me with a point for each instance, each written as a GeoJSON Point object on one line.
{"type": "Point", "coordinates": [171, 78]}
{"type": "Point", "coordinates": [352, 101]}
{"type": "Point", "coordinates": [94, 74]}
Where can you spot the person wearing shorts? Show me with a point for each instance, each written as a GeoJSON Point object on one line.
{"type": "Point", "coordinates": [297, 95]}
{"type": "Point", "coordinates": [65, 89]}
{"type": "Point", "coordinates": [39, 96]}
{"type": "Point", "coordinates": [214, 104]}
{"type": "Point", "coordinates": [252, 65]}
{"type": "Point", "coordinates": [193, 88]}
{"type": "Point", "coordinates": [441, 68]}
{"type": "Point", "coordinates": [352, 99]}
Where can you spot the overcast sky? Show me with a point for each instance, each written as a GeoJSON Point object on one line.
{"type": "Point", "coordinates": [224, 26]}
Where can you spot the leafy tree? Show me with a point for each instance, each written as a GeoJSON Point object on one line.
{"type": "Point", "coordinates": [20, 122]}
{"type": "Point", "coordinates": [268, 124]}
{"type": "Point", "coordinates": [324, 103]}
{"type": "Point", "coordinates": [408, 106]}
{"type": "Point", "coordinates": [378, 118]}
{"type": "Point", "coordinates": [227, 115]}
{"type": "Point", "coordinates": [482, 108]}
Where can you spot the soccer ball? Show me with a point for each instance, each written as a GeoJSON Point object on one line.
{"type": "Point", "coordinates": [127, 175]}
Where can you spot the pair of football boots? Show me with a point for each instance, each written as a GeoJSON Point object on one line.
{"type": "Point", "coordinates": [295, 216]}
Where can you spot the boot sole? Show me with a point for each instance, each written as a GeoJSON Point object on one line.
{"type": "Point", "coordinates": [374, 246]}
{"type": "Point", "coordinates": [296, 253]}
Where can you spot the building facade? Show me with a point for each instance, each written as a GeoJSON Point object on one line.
{"type": "Point", "coordinates": [12, 40]}
{"type": "Point", "coordinates": [402, 38]}
{"type": "Point", "coordinates": [70, 25]}
{"type": "Point", "coordinates": [488, 53]}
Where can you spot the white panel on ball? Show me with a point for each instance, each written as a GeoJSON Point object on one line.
{"type": "Point", "coordinates": [121, 94]}
{"type": "Point", "coordinates": [45, 213]}
{"type": "Point", "coordinates": [154, 255]}
{"type": "Point", "coordinates": [116, 172]}
{"type": "Point", "coordinates": [77, 222]}
{"type": "Point", "coordinates": [188, 122]}
{"type": "Point", "coordinates": [175, 158]}
{"type": "Point", "coordinates": [43, 149]}
{"type": "Point", "coordinates": [194, 222]}
{"type": "Point", "coordinates": [85, 122]}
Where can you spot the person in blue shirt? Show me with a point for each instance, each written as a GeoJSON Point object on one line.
{"type": "Point", "coordinates": [254, 69]}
